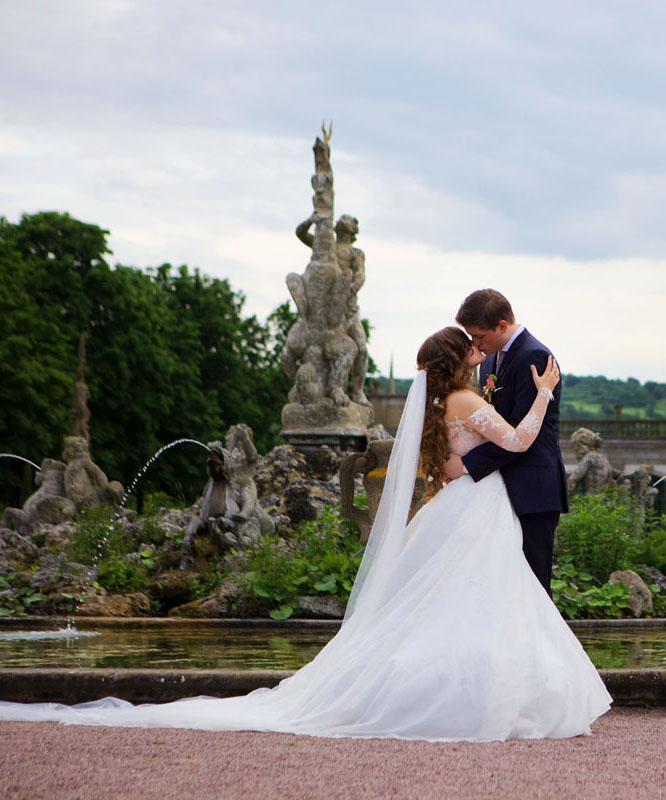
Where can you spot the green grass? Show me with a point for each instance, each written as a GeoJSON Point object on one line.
{"type": "Point", "coordinates": [629, 412]}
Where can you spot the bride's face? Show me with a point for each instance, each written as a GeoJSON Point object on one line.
{"type": "Point", "coordinates": [474, 357]}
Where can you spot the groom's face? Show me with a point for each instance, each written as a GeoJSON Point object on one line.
{"type": "Point", "coordinates": [488, 340]}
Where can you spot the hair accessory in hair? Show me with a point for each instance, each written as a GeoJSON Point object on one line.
{"type": "Point", "coordinates": [435, 402]}
{"type": "Point", "coordinates": [430, 479]}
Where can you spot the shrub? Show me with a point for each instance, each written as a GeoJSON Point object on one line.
{"type": "Point", "coordinates": [120, 575]}
{"type": "Point", "coordinates": [151, 532]}
{"type": "Point", "coordinates": [658, 603]}
{"type": "Point", "coordinates": [601, 534]}
{"type": "Point", "coordinates": [97, 536]}
{"type": "Point", "coordinates": [317, 560]}
{"type": "Point", "coordinates": [652, 541]}
{"type": "Point", "coordinates": [100, 540]}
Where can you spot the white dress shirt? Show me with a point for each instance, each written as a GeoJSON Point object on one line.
{"type": "Point", "coordinates": [501, 353]}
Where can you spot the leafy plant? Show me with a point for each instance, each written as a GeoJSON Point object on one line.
{"type": "Point", "coordinates": [177, 536]}
{"type": "Point", "coordinates": [658, 603]}
{"type": "Point", "coordinates": [602, 533]}
{"type": "Point", "coordinates": [361, 501]}
{"type": "Point", "coordinates": [20, 602]}
{"type": "Point", "coordinates": [317, 560]}
{"type": "Point", "coordinates": [154, 501]}
{"type": "Point", "coordinates": [578, 595]}
{"type": "Point", "coordinates": [106, 543]}
{"type": "Point", "coordinates": [151, 532]}
{"type": "Point", "coordinates": [202, 586]}
{"type": "Point", "coordinates": [120, 575]}
{"type": "Point", "coordinates": [652, 541]}
{"type": "Point", "coordinates": [98, 536]}
{"type": "Point", "coordinates": [147, 559]}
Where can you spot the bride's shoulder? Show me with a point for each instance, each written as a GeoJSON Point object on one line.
{"type": "Point", "coordinates": [462, 403]}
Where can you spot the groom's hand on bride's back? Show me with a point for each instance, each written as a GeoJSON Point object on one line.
{"type": "Point", "coordinates": [453, 468]}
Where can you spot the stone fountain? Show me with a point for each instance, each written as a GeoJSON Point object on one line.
{"type": "Point", "coordinates": [325, 352]}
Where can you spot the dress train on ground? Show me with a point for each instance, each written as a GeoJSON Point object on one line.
{"type": "Point", "coordinates": [461, 643]}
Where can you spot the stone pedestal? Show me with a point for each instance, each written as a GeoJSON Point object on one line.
{"type": "Point", "coordinates": [342, 428]}
{"type": "Point", "coordinates": [310, 442]}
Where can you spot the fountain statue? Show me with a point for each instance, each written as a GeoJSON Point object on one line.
{"type": "Point", "coordinates": [86, 485]}
{"type": "Point", "coordinates": [65, 488]}
{"type": "Point", "coordinates": [593, 471]}
{"type": "Point", "coordinates": [639, 485]}
{"type": "Point", "coordinates": [47, 505]}
{"type": "Point", "coordinates": [229, 510]}
{"type": "Point", "coordinates": [79, 415]}
{"type": "Point", "coordinates": [372, 466]}
{"type": "Point", "coordinates": [325, 353]}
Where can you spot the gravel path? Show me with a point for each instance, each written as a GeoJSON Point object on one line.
{"type": "Point", "coordinates": [624, 758]}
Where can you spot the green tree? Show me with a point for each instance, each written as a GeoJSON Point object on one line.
{"type": "Point", "coordinates": [36, 368]}
{"type": "Point", "coordinates": [169, 355]}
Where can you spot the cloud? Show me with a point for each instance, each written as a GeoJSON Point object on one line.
{"type": "Point", "coordinates": [514, 144]}
{"type": "Point", "coordinates": [597, 316]}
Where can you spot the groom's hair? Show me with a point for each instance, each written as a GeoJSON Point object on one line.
{"type": "Point", "coordinates": [484, 309]}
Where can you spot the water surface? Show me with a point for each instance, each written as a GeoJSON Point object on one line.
{"type": "Point", "coordinates": [184, 646]}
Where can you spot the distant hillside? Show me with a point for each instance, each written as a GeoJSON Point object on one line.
{"type": "Point", "coordinates": [595, 396]}
{"type": "Point", "coordinates": [588, 397]}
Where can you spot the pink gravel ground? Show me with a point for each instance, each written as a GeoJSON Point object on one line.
{"type": "Point", "coordinates": [624, 758]}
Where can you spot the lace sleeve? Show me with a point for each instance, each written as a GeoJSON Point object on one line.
{"type": "Point", "coordinates": [494, 428]}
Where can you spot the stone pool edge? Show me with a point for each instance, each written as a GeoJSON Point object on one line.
{"type": "Point", "coordinates": [628, 687]}
{"type": "Point", "coordinates": [68, 685]}
{"type": "Point", "coordinates": [85, 623]}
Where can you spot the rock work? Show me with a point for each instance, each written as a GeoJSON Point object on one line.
{"type": "Point", "coordinates": [294, 489]}
{"type": "Point", "coordinates": [640, 596]}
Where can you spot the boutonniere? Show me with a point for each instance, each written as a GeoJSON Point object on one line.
{"type": "Point", "coordinates": [489, 388]}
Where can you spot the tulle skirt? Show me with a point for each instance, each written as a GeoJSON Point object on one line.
{"type": "Point", "coordinates": [463, 644]}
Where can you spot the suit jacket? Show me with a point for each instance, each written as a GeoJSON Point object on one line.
{"type": "Point", "coordinates": [535, 480]}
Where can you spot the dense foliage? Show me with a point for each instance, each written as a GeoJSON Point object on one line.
{"type": "Point", "coordinates": [608, 531]}
{"type": "Point", "coordinates": [169, 355]}
{"type": "Point", "coordinates": [318, 561]}
{"type": "Point", "coordinates": [604, 533]}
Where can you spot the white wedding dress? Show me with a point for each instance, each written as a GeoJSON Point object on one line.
{"type": "Point", "coordinates": [448, 636]}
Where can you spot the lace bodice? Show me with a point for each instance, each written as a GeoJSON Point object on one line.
{"type": "Point", "coordinates": [486, 425]}
{"type": "Point", "coordinates": [462, 438]}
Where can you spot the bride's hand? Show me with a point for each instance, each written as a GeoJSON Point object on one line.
{"type": "Point", "coordinates": [550, 377]}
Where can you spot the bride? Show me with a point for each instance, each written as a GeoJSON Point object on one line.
{"type": "Point", "coordinates": [448, 635]}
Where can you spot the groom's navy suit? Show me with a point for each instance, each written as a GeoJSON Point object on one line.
{"type": "Point", "coordinates": [535, 480]}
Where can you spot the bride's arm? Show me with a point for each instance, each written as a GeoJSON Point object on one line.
{"type": "Point", "coordinates": [484, 419]}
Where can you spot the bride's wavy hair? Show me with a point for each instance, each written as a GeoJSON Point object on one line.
{"type": "Point", "coordinates": [444, 358]}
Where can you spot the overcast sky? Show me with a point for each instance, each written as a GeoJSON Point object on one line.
{"type": "Point", "coordinates": [517, 145]}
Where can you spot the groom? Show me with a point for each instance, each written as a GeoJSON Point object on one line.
{"type": "Point", "coordinates": [535, 480]}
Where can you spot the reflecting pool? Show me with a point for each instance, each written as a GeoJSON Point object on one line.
{"type": "Point", "coordinates": [191, 646]}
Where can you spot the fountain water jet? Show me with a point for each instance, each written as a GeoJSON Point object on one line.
{"type": "Point", "coordinates": [153, 458]}
{"type": "Point", "coordinates": [20, 458]}
{"type": "Point", "coordinates": [103, 541]}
